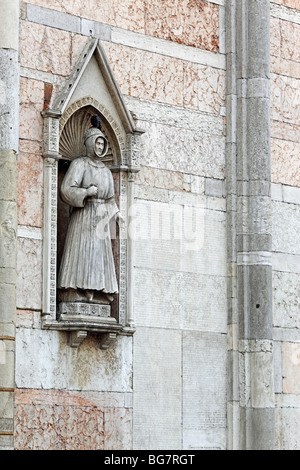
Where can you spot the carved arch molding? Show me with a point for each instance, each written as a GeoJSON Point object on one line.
{"type": "Point", "coordinates": [64, 127]}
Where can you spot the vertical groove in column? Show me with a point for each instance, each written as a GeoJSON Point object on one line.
{"type": "Point", "coordinates": [9, 136]}
{"type": "Point", "coordinates": [253, 392]}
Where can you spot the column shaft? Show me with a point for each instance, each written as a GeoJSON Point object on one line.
{"type": "Point", "coordinates": [9, 135]}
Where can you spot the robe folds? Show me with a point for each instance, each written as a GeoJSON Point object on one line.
{"type": "Point", "coordinates": [87, 261]}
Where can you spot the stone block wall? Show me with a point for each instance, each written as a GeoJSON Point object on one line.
{"type": "Point", "coordinates": [168, 59]}
{"type": "Point", "coordinates": [285, 145]}
{"type": "Point", "coordinates": [165, 388]}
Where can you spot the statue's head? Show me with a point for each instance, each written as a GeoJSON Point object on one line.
{"type": "Point", "coordinates": [95, 142]}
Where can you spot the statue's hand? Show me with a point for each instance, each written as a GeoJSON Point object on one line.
{"type": "Point", "coordinates": [92, 191]}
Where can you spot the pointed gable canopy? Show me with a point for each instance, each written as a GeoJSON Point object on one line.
{"type": "Point", "coordinates": [90, 88]}
{"type": "Point", "coordinates": [99, 83]}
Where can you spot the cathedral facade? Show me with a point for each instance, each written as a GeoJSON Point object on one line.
{"type": "Point", "coordinates": [154, 303]}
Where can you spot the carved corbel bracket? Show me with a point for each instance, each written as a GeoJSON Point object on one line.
{"type": "Point", "coordinates": [107, 340]}
{"type": "Point", "coordinates": [77, 337]}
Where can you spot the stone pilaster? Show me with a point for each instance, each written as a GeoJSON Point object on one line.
{"type": "Point", "coordinates": [9, 125]}
{"type": "Point", "coordinates": [251, 392]}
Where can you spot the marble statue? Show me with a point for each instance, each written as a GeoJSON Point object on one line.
{"type": "Point", "coordinates": [87, 267]}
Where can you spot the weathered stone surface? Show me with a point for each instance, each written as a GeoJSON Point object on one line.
{"type": "Point", "coordinates": [170, 245]}
{"type": "Point", "coordinates": [285, 36]}
{"type": "Point", "coordinates": [160, 428]}
{"type": "Point", "coordinates": [8, 251]}
{"type": "Point", "coordinates": [256, 373]}
{"type": "Point", "coordinates": [46, 49]}
{"type": "Point", "coordinates": [181, 118]}
{"type": "Point", "coordinates": [247, 217]}
{"type": "Point", "coordinates": [28, 319]}
{"type": "Point", "coordinates": [290, 40]}
{"type": "Point", "coordinates": [285, 67]}
{"type": "Point", "coordinates": [7, 405]}
{"type": "Point", "coordinates": [30, 185]}
{"type": "Point", "coordinates": [182, 150]}
{"type": "Point", "coordinates": [260, 421]}
{"type": "Point", "coordinates": [286, 262]}
{"type": "Point", "coordinates": [52, 428]}
{"type": "Point", "coordinates": [168, 48]}
{"type": "Point", "coordinates": [9, 99]}
{"type": "Point", "coordinates": [286, 294]}
{"type": "Point", "coordinates": [97, 399]}
{"type": "Point", "coordinates": [286, 227]}
{"type": "Point", "coordinates": [8, 302]}
{"type": "Point", "coordinates": [9, 12]}
{"type": "Point", "coordinates": [288, 3]}
{"type": "Point", "coordinates": [147, 78]}
{"type": "Point", "coordinates": [291, 194]}
{"type": "Point", "coordinates": [180, 300]}
{"type": "Point", "coordinates": [129, 15]}
{"type": "Point", "coordinates": [53, 18]}
{"type": "Point", "coordinates": [194, 23]}
{"type": "Point", "coordinates": [166, 79]}
{"type": "Point", "coordinates": [77, 46]}
{"type": "Point", "coordinates": [68, 6]}
{"type": "Point", "coordinates": [204, 88]}
{"type": "Point", "coordinates": [161, 179]}
{"type": "Point", "coordinates": [6, 374]}
{"type": "Point", "coordinates": [284, 131]}
{"type": "Point", "coordinates": [287, 428]}
{"type": "Point", "coordinates": [8, 167]}
{"type": "Point", "coordinates": [9, 136]}
{"type": "Point", "coordinates": [285, 99]}
{"type": "Point", "coordinates": [29, 271]}
{"type": "Point", "coordinates": [43, 362]}
{"type": "Point", "coordinates": [31, 106]}
{"type": "Point", "coordinates": [275, 38]}
{"type": "Point", "coordinates": [117, 429]}
{"type": "Point", "coordinates": [291, 367]}
{"type": "Point", "coordinates": [45, 419]}
{"type": "Point", "coordinates": [285, 162]}
{"type": "Point", "coordinates": [204, 399]}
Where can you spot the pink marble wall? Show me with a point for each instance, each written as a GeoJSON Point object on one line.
{"type": "Point", "coordinates": [60, 420]}
{"type": "Point", "coordinates": [31, 106]}
{"type": "Point", "coordinates": [190, 22]}
{"type": "Point", "coordinates": [30, 166]}
{"type": "Point", "coordinates": [151, 76]}
{"type": "Point", "coordinates": [45, 49]}
{"type": "Point", "coordinates": [30, 184]}
{"type": "Point", "coordinates": [288, 3]}
{"type": "Point", "coordinates": [285, 99]}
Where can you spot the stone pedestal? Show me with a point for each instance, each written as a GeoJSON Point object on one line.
{"type": "Point", "coordinates": [80, 309]}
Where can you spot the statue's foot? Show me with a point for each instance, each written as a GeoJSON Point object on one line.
{"type": "Point", "coordinates": [89, 295]}
{"type": "Point", "coordinates": [109, 297]}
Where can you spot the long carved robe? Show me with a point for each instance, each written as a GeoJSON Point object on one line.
{"type": "Point", "coordinates": [87, 261]}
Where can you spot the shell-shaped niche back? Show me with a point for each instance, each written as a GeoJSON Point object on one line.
{"type": "Point", "coordinates": [71, 143]}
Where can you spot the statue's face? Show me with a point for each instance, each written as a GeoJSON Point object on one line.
{"type": "Point", "coordinates": [99, 146]}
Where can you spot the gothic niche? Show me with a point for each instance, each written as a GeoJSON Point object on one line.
{"type": "Point", "coordinates": [88, 220]}
{"type": "Point", "coordinates": [91, 156]}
